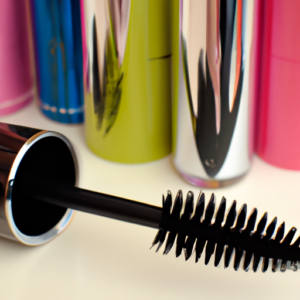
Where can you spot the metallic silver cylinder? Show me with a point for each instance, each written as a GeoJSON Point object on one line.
{"type": "Point", "coordinates": [27, 152]}
{"type": "Point", "coordinates": [214, 97]}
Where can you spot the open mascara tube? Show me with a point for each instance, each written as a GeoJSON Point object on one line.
{"type": "Point", "coordinates": [38, 196]}
{"type": "Point", "coordinates": [32, 153]}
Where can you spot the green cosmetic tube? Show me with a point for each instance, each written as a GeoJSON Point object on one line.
{"type": "Point", "coordinates": [127, 78]}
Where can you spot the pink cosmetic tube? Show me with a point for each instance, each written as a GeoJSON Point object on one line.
{"type": "Point", "coordinates": [16, 80]}
{"type": "Point", "coordinates": [278, 111]}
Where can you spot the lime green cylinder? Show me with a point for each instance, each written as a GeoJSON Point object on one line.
{"type": "Point", "coordinates": [128, 79]}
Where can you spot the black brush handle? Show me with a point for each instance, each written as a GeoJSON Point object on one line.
{"type": "Point", "coordinates": [68, 196]}
{"type": "Point", "coordinates": [192, 227]}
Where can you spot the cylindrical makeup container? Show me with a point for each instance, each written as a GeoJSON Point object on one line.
{"type": "Point", "coordinates": [58, 52]}
{"type": "Point", "coordinates": [24, 153]}
{"type": "Point", "coordinates": [16, 80]}
{"type": "Point", "coordinates": [127, 81]}
{"type": "Point", "coordinates": [278, 109]}
{"type": "Point", "coordinates": [213, 90]}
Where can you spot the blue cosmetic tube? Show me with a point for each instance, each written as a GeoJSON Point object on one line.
{"type": "Point", "coordinates": [58, 53]}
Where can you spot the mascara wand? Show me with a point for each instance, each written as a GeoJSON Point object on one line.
{"type": "Point", "coordinates": [194, 228]}
{"type": "Point", "coordinates": [38, 175]}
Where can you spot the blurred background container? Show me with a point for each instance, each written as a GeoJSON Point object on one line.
{"type": "Point", "coordinates": [58, 52]}
{"type": "Point", "coordinates": [127, 78]}
{"type": "Point", "coordinates": [16, 76]}
{"type": "Point", "coordinates": [278, 114]}
{"type": "Point", "coordinates": [214, 60]}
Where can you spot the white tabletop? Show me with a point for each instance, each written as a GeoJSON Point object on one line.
{"type": "Point", "coordinates": [100, 258]}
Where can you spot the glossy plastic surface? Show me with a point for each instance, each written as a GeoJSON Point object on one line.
{"type": "Point", "coordinates": [278, 119]}
{"type": "Point", "coordinates": [127, 70]}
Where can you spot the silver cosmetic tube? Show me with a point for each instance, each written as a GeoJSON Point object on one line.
{"type": "Point", "coordinates": [213, 90]}
{"type": "Point", "coordinates": [33, 153]}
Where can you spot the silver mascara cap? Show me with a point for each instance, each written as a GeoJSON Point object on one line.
{"type": "Point", "coordinates": [213, 101]}
{"type": "Point", "coordinates": [33, 153]}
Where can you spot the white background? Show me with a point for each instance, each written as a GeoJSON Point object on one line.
{"type": "Point", "coordinates": [99, 258]}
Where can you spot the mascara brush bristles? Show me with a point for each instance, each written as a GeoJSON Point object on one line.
{"type": "Point", "coordinates": [231, 236]}
{"type": "Point", "coordinates": [197, 229]}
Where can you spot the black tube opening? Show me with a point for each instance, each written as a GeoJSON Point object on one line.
{"type": "Point", "coordinates": [48, 159]}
